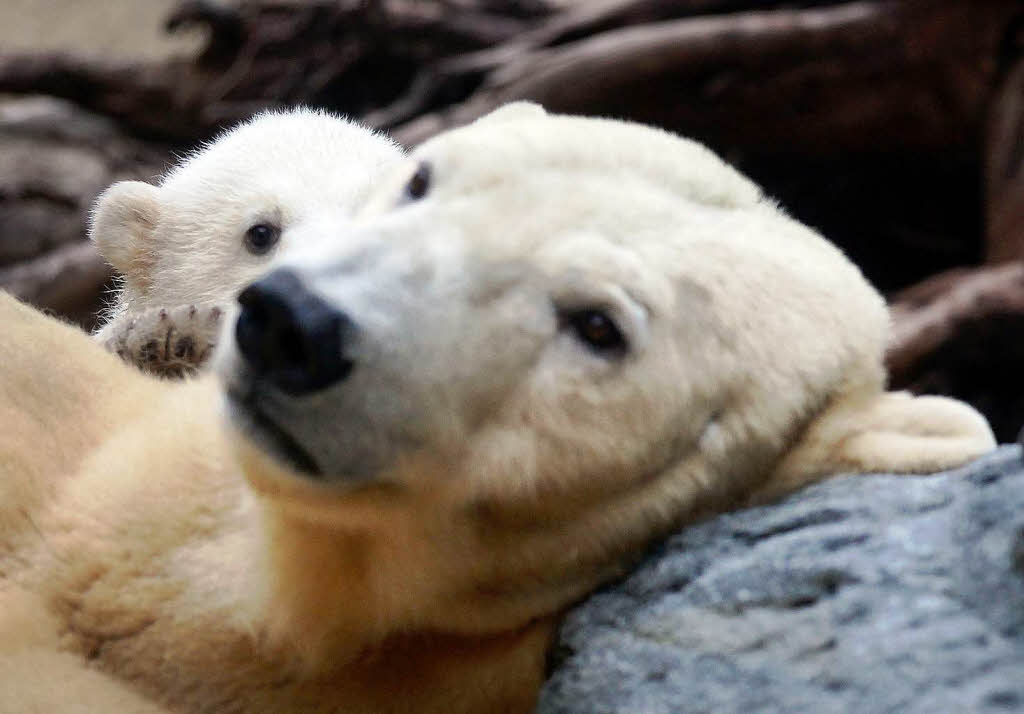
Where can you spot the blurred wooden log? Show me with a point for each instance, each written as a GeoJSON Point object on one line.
{"type": "Point", "coordinates": [69, 281]}
{"type": "Point", "coordinates": [443, 81]}
{"type": "Point", "coordinates": [54, 160]}
{"type": "Point", "coordinates": [932, 312]}
{"type": "Point", "coordinates": [137, 94]}
{"type": "Point", "coordinates": [962, 332]}
{"type": "Point", "coordinates": [829, 78]}
{"type": "Point", "coordinates": [850, 77]}
{"type": "Point", "coordinates": [1004, 170]}
{"type": "Point", "coordinates": [354, 57]}
{"type": "Point", "coordinates": [349, 56]}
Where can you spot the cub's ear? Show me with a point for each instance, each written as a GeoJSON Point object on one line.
{"type": "Point", "coordinates": [889, 432]}
{"type": "Point", "coordinates": [511, 111]}
{"type": "Point", "coordinates": [122, 224]}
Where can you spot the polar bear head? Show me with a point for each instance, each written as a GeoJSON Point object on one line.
{"type": "Point", "coordinates": [212, 224]}
{"type": "Point", "coordinates": [546, 340]}
{"type": "Point", "coordinates": [577, 277]}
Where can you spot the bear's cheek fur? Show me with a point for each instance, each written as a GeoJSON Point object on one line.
{"type": "Point", "coordinates": [565, 431]}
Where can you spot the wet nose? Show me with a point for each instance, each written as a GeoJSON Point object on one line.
{"type": "Point", "coordinates": [292, 337]}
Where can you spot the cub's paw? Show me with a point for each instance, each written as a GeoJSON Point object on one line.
{"type": "Point", "coordinates": [169, 342]}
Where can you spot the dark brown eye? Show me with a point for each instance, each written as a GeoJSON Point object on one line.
{"type": "Point", "coordinates": [419, 184]}
{"type": "Point", "coordinates": [598, 331]}
{"type": "Point", "coordinates": [261, 238]}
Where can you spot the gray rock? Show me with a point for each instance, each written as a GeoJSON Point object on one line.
{"type": "Point", "coordinates": [861, 594]}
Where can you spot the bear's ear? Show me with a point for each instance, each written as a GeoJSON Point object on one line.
{"type": "Point", "coordinates": [122, 224]}
{"type": "Point", "coordinates": [511, 111]}
{"type": "Point", "coordinates": [889, 432]}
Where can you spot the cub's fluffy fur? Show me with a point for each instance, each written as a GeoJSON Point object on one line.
{"type": "Point", "coordinates": [181, 246]}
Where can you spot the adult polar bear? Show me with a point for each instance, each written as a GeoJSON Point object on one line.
{"type": "Point", "coordinates": [549, 340]}
{"type": "Point", "coordinates": [185, 247]}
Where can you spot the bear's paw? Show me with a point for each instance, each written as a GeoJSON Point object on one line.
{"type": "Point", "coordinates": [168, 342]}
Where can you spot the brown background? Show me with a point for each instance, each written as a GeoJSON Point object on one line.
{"type": "Point", "coordinates": [896, 127]}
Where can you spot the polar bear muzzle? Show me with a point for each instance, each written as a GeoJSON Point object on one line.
{"type": "Point", "coordinates": [361, 364]}
{"type": "Point", "coordinates": [291, 337]}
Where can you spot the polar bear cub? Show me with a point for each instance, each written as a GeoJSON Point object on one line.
{"type": "Point", "coordinates": [185, 247]}
{"type": "Point", "coordinates": [546, 341]}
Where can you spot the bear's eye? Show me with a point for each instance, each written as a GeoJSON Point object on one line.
{"type": "Point", "coordinates": [419, 183]}
{"type": "Point", "coordinates": [260, 238]}
{"type": "Point", "coordinates": [596, 330]}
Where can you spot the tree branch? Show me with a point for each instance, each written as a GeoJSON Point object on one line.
{"type": "Point", "coordinates": [855, 76]}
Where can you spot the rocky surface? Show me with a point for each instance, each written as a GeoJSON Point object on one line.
{"type": "Point", "coordinates": [862, 594]}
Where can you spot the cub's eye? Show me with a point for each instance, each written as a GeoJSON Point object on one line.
{"type": "Point", "coordinates": [260, 238]}
{"type": "Point", "coordinates": [598, 331]}
{"type": "Point", "coordinates": [419, 183]}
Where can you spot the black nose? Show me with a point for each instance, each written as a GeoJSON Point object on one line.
{"type": "Point", "coordinates": [291, 336]}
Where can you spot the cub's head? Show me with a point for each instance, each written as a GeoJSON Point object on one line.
{"type": "Point", "coordinates": [212, 224]}
{"type": "Point", "coordinates": [545, 340]}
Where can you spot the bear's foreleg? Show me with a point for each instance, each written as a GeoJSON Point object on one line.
{"type": "Point", "coordinates": [888, 432]}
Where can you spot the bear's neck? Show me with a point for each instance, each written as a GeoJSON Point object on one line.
{"type": "Point", "coordinates": [344, 570]}
{"type": "Point", "coordinates": [336, 592]}
{"type": "Point", "coordinates": [371, 612]}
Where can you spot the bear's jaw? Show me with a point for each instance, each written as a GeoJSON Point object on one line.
{"type": "Point", "coordinates": [248, 418]}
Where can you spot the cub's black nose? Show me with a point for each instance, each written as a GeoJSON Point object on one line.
{"type": "Point", "coordinates": [292, 337]}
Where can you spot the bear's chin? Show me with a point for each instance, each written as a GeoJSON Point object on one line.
{"type": "Point", "coordinates": [255, 426]}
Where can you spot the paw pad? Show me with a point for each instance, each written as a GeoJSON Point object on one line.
{"type": "Point", "coordinates": [149, 351]}
{"type": "Point", "coordinates": [184, 348]}
{"type": "Point", "coordinates": [169, 342]}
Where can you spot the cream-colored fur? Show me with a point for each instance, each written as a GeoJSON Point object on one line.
{"type": "Point", "coordinates": [179, 246]}
{"type": "Point", "coordinates": [37, 677]}
{"type": "Point", "coordinates": [481, 468]}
